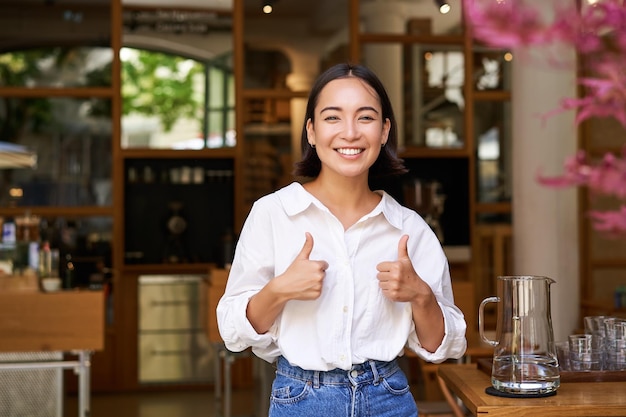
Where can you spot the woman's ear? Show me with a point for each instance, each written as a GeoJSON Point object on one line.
{"type": "Point", "coordinates": [385, 133]}
{"type": "Point", "coordinates": [310, 133]}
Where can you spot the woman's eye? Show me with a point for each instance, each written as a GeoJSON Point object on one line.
{"type": "Point", "coordinates": [366, 117]}
{"type": "Point", "coordinates": [330, 118]}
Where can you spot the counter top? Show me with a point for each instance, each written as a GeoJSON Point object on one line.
{"type": "Point", "coordinates": [572, 398]}
{"type": "Point", "coordinates": [33, 321]}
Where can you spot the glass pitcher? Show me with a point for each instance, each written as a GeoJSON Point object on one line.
{"type": "Point", "coordinates": [524, 359]}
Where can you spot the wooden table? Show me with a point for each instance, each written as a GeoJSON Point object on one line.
{"type": "Point", "coordinates": [63, 321]}
{"type": "Point", "coordinates": [572, 399]}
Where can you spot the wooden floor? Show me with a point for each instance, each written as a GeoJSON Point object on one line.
{"type": "Point", "coordinates": [162, 404]}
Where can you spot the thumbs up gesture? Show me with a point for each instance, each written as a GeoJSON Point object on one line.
{"type": "Point", "coordinates": [304, 278]}
{"type": "Point", "coordinates": [398, 279]}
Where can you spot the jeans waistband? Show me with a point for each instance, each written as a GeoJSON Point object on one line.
{"type": "Point", "coordinates": [367, 372]}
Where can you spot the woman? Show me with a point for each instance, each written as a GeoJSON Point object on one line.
{"type": "Point", "coordinates": [332, 280]}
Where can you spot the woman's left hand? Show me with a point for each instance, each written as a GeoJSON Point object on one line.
{"type": "Point", "coordinates": [398, 279]}
{"type": "Point", "coordinates": [399, 282]}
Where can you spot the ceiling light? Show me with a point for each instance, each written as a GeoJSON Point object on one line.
{"type": "Point", "coordinates": [268, 6]}
{"type": "Point", "coordinates": [444, 6]}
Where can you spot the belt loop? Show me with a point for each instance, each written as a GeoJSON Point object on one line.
{"type": "Point", "coordinates": [374, 372]}
{"type": "Point", "coordinates": [316, 379]}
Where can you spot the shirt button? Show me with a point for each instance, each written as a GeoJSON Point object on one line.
{"type": "Point", "coordinates": [354, 374]}
{"type": "Point", "coordinates": [342, 358]}
{"type": "Point", "coordinates": [345, 309]}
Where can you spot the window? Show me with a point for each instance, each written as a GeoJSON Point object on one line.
{"type": "Point", "coordinates": [176, 102]}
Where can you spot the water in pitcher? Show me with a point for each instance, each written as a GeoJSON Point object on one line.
{"type": "Point", "coordinates": [530, 374]}
{"type": "Point", "coordinates": [524, 358]}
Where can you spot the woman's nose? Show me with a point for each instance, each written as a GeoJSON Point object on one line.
{"type": "Point", "coordinates": [351, 130]}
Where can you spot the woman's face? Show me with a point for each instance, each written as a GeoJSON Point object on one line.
{"type": "Point", "coordinates": [349, 130]}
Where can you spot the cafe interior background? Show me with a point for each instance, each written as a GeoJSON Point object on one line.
{"type": "Point", "coordinates": [155, 124]}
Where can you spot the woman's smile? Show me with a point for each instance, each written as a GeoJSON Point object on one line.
{"type": "Point", "coordinates": [350, 151]}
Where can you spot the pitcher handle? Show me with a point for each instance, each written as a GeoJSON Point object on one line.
{"type": "Point", "coordinates": [481, 319]}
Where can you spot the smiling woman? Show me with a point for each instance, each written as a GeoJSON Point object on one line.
{"type": "Point", "coordinates": [325, 281]}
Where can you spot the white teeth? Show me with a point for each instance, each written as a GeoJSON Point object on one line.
{"type": "Point", "coordinates": [349, 151]}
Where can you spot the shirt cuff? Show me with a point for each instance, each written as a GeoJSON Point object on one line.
{"type": "Point", "coordinates": [237, 331]}
{"type": "Point", "coordinates": [454, 343]}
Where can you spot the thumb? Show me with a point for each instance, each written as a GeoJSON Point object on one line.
{"type": "Point", "coordinates": [403, 252]}
{"type": "Point", "coordinates": [307, 248]}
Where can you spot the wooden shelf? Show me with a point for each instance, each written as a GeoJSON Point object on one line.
{"type": "Point", "coordinates": [48, 211]}
{"type": "Point", "coordinates": [425, 152]}
{"type": "Point", "coordinates": [268, 93]}
{"type": "Point", "coordinates": [140, 153]}
{"type": "Point", "coordinates": [44, 92]}
{"type": "Point", "coordinates": [492, 95]}
{"type": "Point", "coordinates": [496, 207]}
{"type": "Point", "coordinates": [199, 268]}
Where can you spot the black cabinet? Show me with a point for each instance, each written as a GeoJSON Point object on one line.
{"type": "Point", "coordinates": [177, 210]}
{"type": "Point", "coordinates": [452, 176]}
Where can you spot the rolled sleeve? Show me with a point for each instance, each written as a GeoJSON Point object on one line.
{"type": "Point", "coordinates": [454, 343]}
{"type": "Point", "coordinates": [235, 328]}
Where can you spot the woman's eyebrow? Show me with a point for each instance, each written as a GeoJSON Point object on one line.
{"type": "Point", "coordinates": [335, 108]}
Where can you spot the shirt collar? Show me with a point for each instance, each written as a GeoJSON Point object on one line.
{"type": "Point", "coordinates": [295, 199]}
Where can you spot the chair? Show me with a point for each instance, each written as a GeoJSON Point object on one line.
{"type": "Point", "coordinates": [435, 388]}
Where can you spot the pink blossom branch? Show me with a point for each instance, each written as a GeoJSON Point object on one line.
{"type": "Point", "coordinates": [598, 33]}
{"type": "Point", "coordinates": [611, 223]}
{"type": "Point", "coordinates": [607, 177]}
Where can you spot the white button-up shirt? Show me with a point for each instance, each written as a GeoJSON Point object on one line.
{"type": "Point", "coordinates": [351, 322]}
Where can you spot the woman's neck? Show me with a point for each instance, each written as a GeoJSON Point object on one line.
{"type": "Point", "coordinates": [348, 200]}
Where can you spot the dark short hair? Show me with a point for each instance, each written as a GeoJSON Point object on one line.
{"type": "Point", "coordinates": [388, 163]}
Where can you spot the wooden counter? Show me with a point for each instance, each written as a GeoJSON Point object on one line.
{"type": "Point", "coordinates": [33, 321]}
{"type": "Point", "coordinates": [572, 399]}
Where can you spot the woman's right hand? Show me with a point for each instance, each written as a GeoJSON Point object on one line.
{"type": "Point", "coordinates": [304, 278]}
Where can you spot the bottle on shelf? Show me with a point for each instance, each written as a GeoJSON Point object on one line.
{"type": "Point", "coordinates": [9, 231]}
{"type": "Point", "coordinates": [68, 278]}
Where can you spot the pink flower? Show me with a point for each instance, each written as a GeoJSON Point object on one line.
{"type": "Point", "coordinates": [598, 33]}
{"type": "Point", "coordinates": [505, 23]}
{"type": "Point", "coordinates": [611, 223]}
{"type": "Point", "coordinates": [605, 94]}
{"type": "Point", "coordinates": [607, 177]}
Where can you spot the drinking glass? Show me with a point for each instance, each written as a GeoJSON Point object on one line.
{"type": "Point", "coordinates": [615, 328]}
{"type": "Point", "coordinates": [616, 355]}
{"type": "Point", "coordinates": [586, 352]}
{"type": "Point", "coordinates": [595, 325]}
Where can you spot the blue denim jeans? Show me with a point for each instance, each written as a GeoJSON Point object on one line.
{"type": "Point", "coordinates": [372, 389]}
